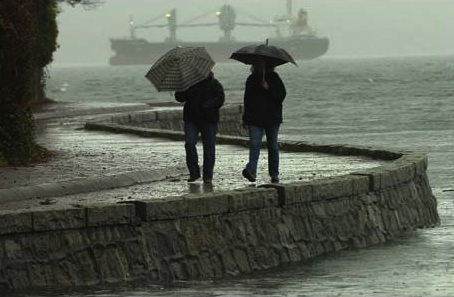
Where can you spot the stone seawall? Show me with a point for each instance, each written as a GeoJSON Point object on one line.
{"type": "Point", "coordinates": [218, 234]}
{"type": "Point", "coordinates": [167, 122]}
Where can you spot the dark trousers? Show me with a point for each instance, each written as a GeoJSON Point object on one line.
{"type": "Point", "coordinates": [208, 132]}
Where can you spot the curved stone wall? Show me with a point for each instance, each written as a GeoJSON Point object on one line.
{"type": "Point", "coordinates": [218, 234]}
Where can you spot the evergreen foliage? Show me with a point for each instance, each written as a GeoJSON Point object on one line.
{"type": "Point", "coordinates": [28, 39]}
{"type": "Point", "coordinates": [17, 72]}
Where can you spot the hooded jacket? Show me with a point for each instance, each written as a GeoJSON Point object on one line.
{"type": "Point", "coordinates": [202, 101]}
{"type": "Point", "coordinates": [263, 107]}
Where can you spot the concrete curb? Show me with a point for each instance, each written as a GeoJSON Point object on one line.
{"type": "Point", "coordinates": [90, 184]}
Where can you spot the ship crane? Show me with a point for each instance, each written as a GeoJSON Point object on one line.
{"type": "Point", "coordinates": [226, 22]}
{"type": "Point", "coordinates": [172, 25]}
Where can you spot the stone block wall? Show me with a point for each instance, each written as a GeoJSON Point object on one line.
{"type": "Point", "coordinates": [171, 120]}
{"type": "Point", "coordinates": [218, 234]}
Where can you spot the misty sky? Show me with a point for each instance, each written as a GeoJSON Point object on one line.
{"type": "Point", "coordinates": [356, 28]}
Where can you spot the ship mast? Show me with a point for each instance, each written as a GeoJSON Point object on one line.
{"type": "Point", "coordinates": [289, 8]}
{"type": "Point", "coordinates": [226, 17]}
{"type": "Point", "coordinates": [132, 30]}
{"type": "Point", "coordinates": [172, 24]}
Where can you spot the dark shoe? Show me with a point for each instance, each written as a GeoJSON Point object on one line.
{"type": "Point", "coordinates": [248, 175]}
{"type": "Point", "coordinates": [275, 180]}
{"type": "Point", "coordinates": [193, 179]}
{"type": "Point", "coordinates": [207, 180]}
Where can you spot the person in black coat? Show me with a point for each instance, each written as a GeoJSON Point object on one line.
{"type": "Point", "coordinates": [263, 97]}
{"type": "Point", "coordinates": [201, 116]}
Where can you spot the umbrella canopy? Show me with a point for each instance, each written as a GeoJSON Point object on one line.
{"type": "Point", "coordinates": [180, 68]}
{"type": "Point", "coordinates": [273, 55]}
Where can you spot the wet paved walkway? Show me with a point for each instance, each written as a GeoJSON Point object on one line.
{"type": "Point", "coordinates": [88, 155]}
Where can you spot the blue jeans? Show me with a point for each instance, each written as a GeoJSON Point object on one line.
{"type": "Point", "coordinates": [208, 132]}
{"type": "Point", "coordinates": [255, 144]}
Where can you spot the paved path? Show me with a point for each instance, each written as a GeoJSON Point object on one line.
{"type": "Point", "coordinates": [86, 163]}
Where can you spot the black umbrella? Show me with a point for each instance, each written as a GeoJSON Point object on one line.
{"type": "Point", "coordinates": [273, 55]}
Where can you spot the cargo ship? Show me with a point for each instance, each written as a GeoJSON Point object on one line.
{"type": "Point", "coordinates": [301, 42]}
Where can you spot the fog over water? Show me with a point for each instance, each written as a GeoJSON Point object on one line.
{"type": "Point", "coordinates": [356, 28]}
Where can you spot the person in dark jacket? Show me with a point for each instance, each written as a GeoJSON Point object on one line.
{"type": "Point", "coordinates": [263, 97]}
{"type": "Point", "coordinates": [201, 116]}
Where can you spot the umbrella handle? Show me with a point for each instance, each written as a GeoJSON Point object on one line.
{"type": "Point", "coordinates": [265, 85]}
{"type": "Point", "coordinates": [264, 82]}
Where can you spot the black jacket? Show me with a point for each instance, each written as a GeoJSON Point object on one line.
{"type": "Point", "coordinates": [263, 107]}
{"type": "Point", "coordinates": [202, 101]}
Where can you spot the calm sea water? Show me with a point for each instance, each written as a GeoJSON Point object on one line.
{"type": "Point", "coordinates": [403, 103]}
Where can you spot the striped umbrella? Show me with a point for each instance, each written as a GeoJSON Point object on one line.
{"type": "Point", "coordinates": [180, 68]}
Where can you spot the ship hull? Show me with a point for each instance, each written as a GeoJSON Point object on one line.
{"type": "Point", "coordinates": [140, 51]}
